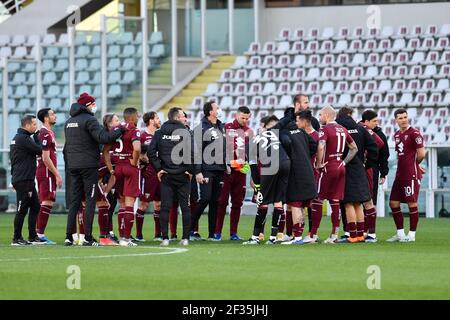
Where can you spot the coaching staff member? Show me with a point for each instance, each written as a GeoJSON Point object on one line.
{"type": "Point", "coordinates": [175, 175]}
{"type": "Point", "coordinates": [82, 151]}
{"type": "Point", "coordinates": [24, 148]}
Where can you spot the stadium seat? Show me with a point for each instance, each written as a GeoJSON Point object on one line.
{"type": "Point", "coordinates": [327, 33]}
{"type": "Point", "coordinates": [399, 45]}
{"type": "Point", "coordinates": [49, 78]}
{"type": "Point", "coordinates": [372, 60]}
{"type": "Point", "coordinates": [282, 48]}
{"type": "Point", "coordinates": [113, 77]}
{"type": "Point", "coordinates": [442, 86]}
{"type": "Point", "coordinates": [299, 61]}
{"type": "Point", "coordinates": [371, 73]}
{"type": "Point", "coordinates": [284, 35]}
{"type": "Point", "coordinates": [374, 100]}
{"type": "Point", "coordinates": [386, 59]}
{"type": "Point", "coordinates": [389, 100]}
{"type": "Point", "coordinates": [256, 102]}
{"type": "Point", "coordinates": [256, 88]}
{"type": "Point", "coordinates": [369, 46]}
{"type": "Point", "coordinates": [313, 74]}
{"type": "Point", "coordinates": [429, 72]}
{"type": "Point", "coordinates": [442, 44]}
{"type": "Point", "coordinates": [342, 34]}
{"type": "Point", "coordinates": [269, 89]}
{"type": "Point", "coordinates": [239, 76]}
{"type": "Point", "coordinates": [240, 101]}
{"type": "Point", "coordinates": [358, 59]}
{"type": "Point", "coordinates": [384, 86]}
{"type": "Point", "coordinates": [327, 74]}
{"type": "Point", "coordinates": [427, 86]}
{"type": "Point", "coordinates": [344, 100]}
{"type": "Point", "coordinates": [313, 88]}
{"type": "Point", "coordinates": [445, 58]}
{"type": "Point", "coordinates": [285, 101]}
{"type": "Point", "coordinates": [444, 72]}
{"type": "Point", "coordinates": [298, 34]}
{"type": "Point", "coordinates": [419, 100]}
{"type": "Point", "coordinates": [358, 33]}
{"type": "Point", "coordinates": [269, 75]}
{"type": "Point", "coordinates": [342, 87]}
{"type": "Point", "coordinates": [311, 47]}
{"type": "Point", "coordinates": [254, 62]}
{"type": "Point", "coordinates": [400, 73]}
{"type": "Point", "coordinates": [327, 87]}
{"type": "Point", "coordinates": [253, 49]}
{"type": "Point", "coordinates": [359, 100]}
{"type": "Point", "coordinates": [239, 90]}
{"type": "Point", "coordinates": [283, 75]}
{"type": "Point", "coordinates": [427, 44]}
{"type": "Point", "coordinates": [226, 102]}
{"type": "Point", "coordinates": [158, 51]}
{"type": "Point", "coordinates": [211, 90]}
{"type": "Point", "coordinates": [18, 78]}
{"type": "Point", "coordinates": [113, 64]}
{"type": "Point", "coordinates": [385, 73]}
{"type": "Point", "coordinates": [414, 72]}
{"type": "Point", "coordinates": [255, 75]}
{"type": "Point", "coordinates": [343, 73]}
{"type": "Point", "coordinates": [412, 45]}
{"type": "Point", "coordinates": [81, 64]}
{"type": "Point", "coordinates": [296, 48]}
{"type": "Point", "coordinates": [416, 32]}
{"type": "Point", "coordinates": [327, 61]}
{"type": "Point", "coordinates": [82, 77]}
{"type": "Point", "coordinates": [434, 100]}
{"type": "Point", "coordinates": [270, 103]}
{"type": "Point", "coordinates": [383, 46]}
{"type": "Point", "coordinates": [95, 64]}
{"type": "Point", "coordinates": [298, 87]}
{"type": "Point", "coordinates": [283, 89]}
{"type": "Point", "coordinates": [370, 86]}
{"type": "Point", "coordinates": [432, 58]}
{"type": "Point", "coordinates": [114, 91]}
{"type": "Point", "coordinates": [5, 52]}
{"type": "Point", "coordinates": [313, 34]}
{"type": "Point", "coordinates": [197, 103]}
{"type": "Point", "coordinates": [386, 33]}
{"type": "Point", "coordinates": [343, 59]}
{"type": "Point", "coordinates": [268, 48]}
{"type": "Point", "coordinates": [17, 40]}
{"type": "Point", "coordinates": [225, 76]}
{"type": "Point", "coordinates": [283, 62]}
{"type": "Point", "coordinates": [326, 47]}
{"type": "Point", "coordinates": [269, 62]}
{"type": "Point", "coordinates": [313, 61]}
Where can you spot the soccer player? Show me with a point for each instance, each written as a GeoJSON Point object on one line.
{"type": "Point", "coordinates": [271, 180]}
{"type": "Point", "coordinates": [376, 173]}
{"type": "Point", "coordinates": [150, 185]}
{"type": "Point", "coordinates": [209, 174]}
{"type": "Point", "coordinates": [331, 184]}
{"type": "Point", "coordinates": [47, 174]}
{"type": "Point", "coordinates": [127, 172]}
{"type": "Point", "coordinates": [380, 164]}
{"type": "Point", "coordinates": [238, 135]}
{"type": "Point", "coordinates": [410, 153]}
{"type": "Point", "coordinates": [357, 189]}
{"type": "Point", "coordinates": [304, 121]}
{"type": "Point", "coordinates": [301, 189]}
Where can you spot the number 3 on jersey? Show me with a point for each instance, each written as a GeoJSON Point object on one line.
{"type": "Point", "coordinates": [340, 142]}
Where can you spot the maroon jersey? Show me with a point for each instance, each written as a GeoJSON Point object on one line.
{"type": "Point", "coordinates": [103, 169]}
{"type": "Point", "coordinates": [48, 142]}
{"type": "Point", "coordinates": [406, 145]}
{"type": "Point", "coordinates": [336, 137]}
{"type": "Point", "coordinates": [378, 140]}
{"type": "Point", "coordinates": [147, 170]}
{"type": "Point", "coordinates": [123, 147]}
{"type": "Point", "coordinates": [238, 139]}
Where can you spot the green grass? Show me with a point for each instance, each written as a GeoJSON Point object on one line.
{"type": "Point", "coordinates": [228, 270]}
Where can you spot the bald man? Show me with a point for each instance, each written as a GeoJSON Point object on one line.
{"type": "Point", "coordinates": [333, 138]}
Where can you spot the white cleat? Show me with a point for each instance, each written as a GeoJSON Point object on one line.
{"type": "Point", "coordinates": [396, 238]}
{"type": "Point", "coordinates": [165, 243]}
{"type": "Point", "coordinates": [331, 240]}
{"type": "Point", "coordinates": [127, 243]}
{"type": "Point", "coordinates": [184, 242]}
{"type": "Point", "coordinates": [251, 242]}
{"type": "Point", "coordinates": [408, 238]}
{"type": "Point", "coordinates": [308, 239]}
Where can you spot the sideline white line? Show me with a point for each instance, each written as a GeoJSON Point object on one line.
{"type": "Point", "coordinates": [172, 251]}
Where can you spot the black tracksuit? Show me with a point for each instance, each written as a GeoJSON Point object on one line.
{"type": "Point", "coordinates": [83, 138]}
{"type": "Point", "coordinates": [173, 136]}
{"type": "Point", "coordinates": [24, 148]}
{"type": "Point", "coordinates": [213, 135]}
{"type": "Point", "coordinates": [381, 169]}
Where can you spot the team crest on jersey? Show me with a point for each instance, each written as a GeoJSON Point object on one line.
{"type": "Point", "coordinates": [44, 143]}
{"type": "Point", "coordinates": [419, 140]}
{"type": "Point", "coordinates": [240, 142]}
{"type": "Point", "coordinates": [321, 134]}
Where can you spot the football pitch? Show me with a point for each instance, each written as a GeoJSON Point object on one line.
{"type": "Point", "coordinates": [228, 270]}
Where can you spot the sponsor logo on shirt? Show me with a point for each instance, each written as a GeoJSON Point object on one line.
{"type": "Point", "coordinates": [72, 125]}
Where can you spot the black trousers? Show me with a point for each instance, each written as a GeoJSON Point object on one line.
{"type": "Point", "coordinates": [175, 186]}
{"type": "Point", "coordinates": [26, 200]}
{"type": "Point", "coordinates": [83, 182]}
{"type": "Point", "coordinates": [209, 196]}
{"type": "Point", "coordinates": [376, 180]}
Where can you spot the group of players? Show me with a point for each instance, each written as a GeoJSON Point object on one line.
{"type": "Point", "coordinates": [334, 159]}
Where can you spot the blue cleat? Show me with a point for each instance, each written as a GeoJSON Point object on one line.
{"type": "Point", "coordinates": [218, 236]}
{"type": "Point", "coordinates": [235, 237]}
{"type": "Point", "coordinates": [47, 240]}
{"type": "Point", "coordinates": [298, 242]}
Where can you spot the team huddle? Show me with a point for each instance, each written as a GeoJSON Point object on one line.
{"type": "Point", "coordinates": [295, 164]}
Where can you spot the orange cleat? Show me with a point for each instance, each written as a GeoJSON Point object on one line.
{"type": "Point", "coordinates": [107, 242]}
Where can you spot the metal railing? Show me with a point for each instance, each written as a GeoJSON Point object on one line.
{"type": "Point", "coordinates": [9, 8]}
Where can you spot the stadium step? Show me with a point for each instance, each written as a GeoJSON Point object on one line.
{"type": "Point", "coordinates": [200, 83]}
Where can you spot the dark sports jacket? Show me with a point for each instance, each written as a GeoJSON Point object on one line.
{"type": "Point", "coordinates": [24, 148]}
{"type": "Point", "coordinates": [83, 138]}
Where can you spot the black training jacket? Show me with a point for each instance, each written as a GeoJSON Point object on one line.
{"type": "Point", "coordinates": [83, 138]}
{"type": "Point", "coordinates": [172, 148]}
{"type": "Point", "coordinates": [211, 133]}
{"type": "Point", "coordinates": [383, 154]}
{"type": "Point", "coordinates": [24, 148]}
